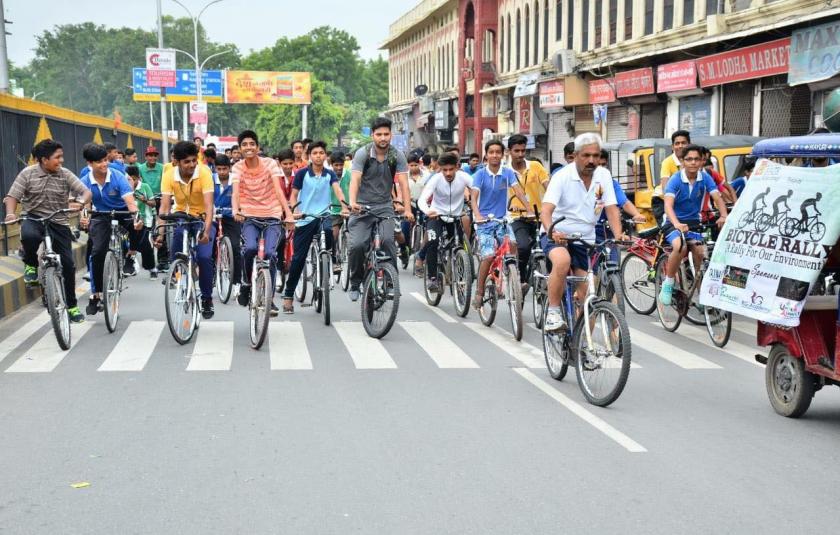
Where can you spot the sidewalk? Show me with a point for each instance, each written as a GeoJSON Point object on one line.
{"type": "Point", "coordinates": [13, 293]}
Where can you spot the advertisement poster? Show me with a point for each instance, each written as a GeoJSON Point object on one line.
{"type": "Point", "coordinates": [775, 243]}
{"type": "Point", "coordinates": [263, 87]}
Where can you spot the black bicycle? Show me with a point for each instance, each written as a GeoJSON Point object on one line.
{"type": "Point", "coordinates": [262, 287]}
{"type": "Point", "coordinates": [381, 284]}
{"type": "Point", "coordinates": [454, 267]}
{"type": "Point", "coordinates": [112, 270]}
{"type": "Point", "coordinates": [321, 258]}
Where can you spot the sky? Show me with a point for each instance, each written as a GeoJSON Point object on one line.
{"type": "Point", "coordinates": [250, 24]}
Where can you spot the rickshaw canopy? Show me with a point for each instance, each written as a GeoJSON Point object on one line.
{"type": "Point", "coordinates": [813, 146]}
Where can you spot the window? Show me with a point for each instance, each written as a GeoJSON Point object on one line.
{"type": "Point", "coordinates": [545, 30]}
{"type": "Point", "coordinates": [584, 46]}
{"type": "Point", "coordinates": [711, 7]}
{"type": "Point", "coordinates": [518, 40]}
{"type": "Point", "coordinates": [570, 25]}
{"type": "Point", "coordinates": [509, 39]}
{"type": "Point", "coordinates": [648, 17]}
{"type": "Point", "coordinates": [502, 43]}
{"type": "Point", "coordinates": [688, 12]}
{"type": "Point", "coordinates": [558, 17]}
{"type": "Point", "coordinates": [668, 15]}
{"type": "Point", "coordinates": [527, 31]}
{"type": "Point", "coordinates": [628, 19]}
{"type": "Point", "coordinates": [599, 5]}
{"type": "Point", "coordinates": [536, 33]}
{"type": "Point", "coordinates": [613, 18]}
{"type": "Point", "coordinates": [739, 5]}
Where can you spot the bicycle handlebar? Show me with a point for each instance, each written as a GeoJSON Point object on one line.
{"type": "Point", "coordinates": [180, 217]}
{"type": "Point", "coordinates": [28, 217]}
{"type": "Point", "coordinates": [110, 213]}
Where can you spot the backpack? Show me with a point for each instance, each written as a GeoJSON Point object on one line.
{"type": "Point", "coordinates": [391, 159]}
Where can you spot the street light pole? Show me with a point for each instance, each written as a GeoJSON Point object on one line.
{"type": "Point", "coordinates": [4, 58]}
{"type": "Point", "coordinates": [164, 125]}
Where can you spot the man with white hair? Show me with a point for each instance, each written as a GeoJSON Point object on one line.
{"type": "Point", "coordinates": [579, 193]}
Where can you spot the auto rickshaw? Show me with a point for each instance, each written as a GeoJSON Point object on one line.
{"type": "Point", "coordinates": [636, 165]}
{"type": "Point", "coordinates": [803, 359]}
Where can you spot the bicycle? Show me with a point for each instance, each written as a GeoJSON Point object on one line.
{"type": "Point", "coordinates": [504, 272]}
{"type": "Point", "coordinates": [793, 227]}
{"type": "Point", "coordinates": [112, 270]}
{"type": "Point", "coordinates": [454, 266]}
{"type": "Point", "coordinates": [381, 284]}
{"type": "Point", "coordinates": [764, 220]}
{"type": "Point", "coordinates": [322, 279]}
{"type": "Point", "coordinates": [342, 252]}
{"type": "Point", "coordinates": [308, 275]}
{"type": "Point", "coordinates": [597, 340]}
{"type": "Point", "coordinates": [638, 271]}
{"type": "Point", "coordinates": [181, 294]}
{"type": "Point", "coordinates": [224, 268]}
{"type": "Point", "coordinates": [51, 279]}
{"type": "Point", "coordinates": [285, 260]}
{"type": "Point", "coordinates": [686, 287]}
{"type": "Point", "coordinates": [537, 274]}
{"type": "Point", "coordinates": [262, 287]}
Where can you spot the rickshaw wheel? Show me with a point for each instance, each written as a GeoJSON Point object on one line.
{"type": "Point", "coordinates": [790, 386]}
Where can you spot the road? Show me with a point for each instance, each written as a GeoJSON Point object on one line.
{"type": "Point", "coordinates": [445, 426]}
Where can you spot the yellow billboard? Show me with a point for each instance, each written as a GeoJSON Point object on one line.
{"type": "Point", "coordinates": [264, 87]}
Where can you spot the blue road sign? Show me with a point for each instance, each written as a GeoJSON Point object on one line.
{"type": "Point", "coordinates": [184, 91]}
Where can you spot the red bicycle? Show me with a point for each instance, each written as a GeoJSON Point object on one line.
{"type": "Point", "coordinates": [638, 272]}
{"type": "Point", "coordinates": [285, 259]}
{"type": "Point", "coordinates": [502, 282]}
{"type": "Point", "coordinates": [223, 278]}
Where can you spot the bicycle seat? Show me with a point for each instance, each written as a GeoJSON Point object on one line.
{"type": "Point", "coordinates": [649, 233]}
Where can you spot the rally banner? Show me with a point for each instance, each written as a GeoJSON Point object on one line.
{"type": "Point", "coordinates": [263, 87]}
{"type": "Point", "coordinates": [775, 243]}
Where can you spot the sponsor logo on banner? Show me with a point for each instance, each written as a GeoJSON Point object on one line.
{"type": "Point", "coordinates": [775, 243]}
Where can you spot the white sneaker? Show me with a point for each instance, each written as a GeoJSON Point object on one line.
{"type": "Point", "coordinates": [554, 321]}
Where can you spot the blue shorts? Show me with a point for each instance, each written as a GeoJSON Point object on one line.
{"type": "Point", "coordinates": [579, 253]}
{"type": "Point", "coordinates": [490, 235]}
{"type": "Point", "coordinates": [672, 234]}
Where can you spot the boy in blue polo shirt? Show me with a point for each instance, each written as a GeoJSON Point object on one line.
{"type": "Point", "coordinates": [110, 191]}
{"type": "Point", "coordinates": [684, 196]}
{"type": "Point", "coordinates": [311, 195]}
{"type": "Point", "coordinates": [223, 199]}
{"type": "Point", "coordinates": [491, 184]}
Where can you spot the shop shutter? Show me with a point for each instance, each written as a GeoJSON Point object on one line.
{"type": "Point", "coordinates": [558, 135]}
{"type": "Point", "coordinates": [785, 111]}
{"type": "Point", "coordinates": [696, 115]}
{"type": "Point", "coordinates": [738, 108]}
{"type": "Point", "coordinates": [617, 122]}
{"type": "Point", "coordinates": [584, 122]}
{"type": "Point", "coordinates": [652, 121]}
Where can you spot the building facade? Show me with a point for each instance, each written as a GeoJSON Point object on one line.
{"type": "Point", "coordinates": [552, 69]}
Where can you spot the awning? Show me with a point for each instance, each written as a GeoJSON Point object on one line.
{"type": "Point", "coordinates": [497, 88]}
{"type": "Point", "coordinates": [396, 109]}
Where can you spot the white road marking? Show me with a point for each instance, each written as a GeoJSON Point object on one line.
{"type": "Point", "coordinates": [367, 353]}
{"type": "Point", "coordinates": [670, 352]}
{"type": "Point", "coordinates": [440, 348]}
{"type": "Point", "coordinates": [613, 363]}
{"type": "Point", "coordinates": [26, 330]}
{"type": "Point", "coordinates": [45, 355]}
{"type": "Point", "coordinates": [443, 315]}
{"type": "Point", "coordinates": [132, 352]}
{"type": "Point", "coordinates": [524, 352]}
{"type": "Point", "coordinates": [287, 346]}
{"type": "Point", "coordinates": [578, 410]}
{"type": "Point", "coordinates": [213, 349]}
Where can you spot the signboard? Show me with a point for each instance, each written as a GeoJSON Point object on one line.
{"type": "Point", "coordinates": [524, 115]}
{"type": "Point", "coordinates": [198, 112]}
{"type": "Point", "coordinates": [160, 64]}
{"type": "Point", "coordinates": [442, 115]}
{"type": "Point", "coordinates": [679, 76]}
{"type": "Point", "coordinates": [526, 85]}
{"type": "Point", "coordinates": [634, 83]}
{"type": "Point", "coordinates": [766, 59]}
{"type": "Point", "coordinates": [552, 95]}
{"type": "Point", "coordinates": [814, 54]}
{"type": "Point", "coordinates": [601, 91]}
{"type": "Point", "coordinates": [264, 87]}
{"type": "Point", "coordinates": [764, 265]}
{"type": "Point", "coordinates": [184, 90]}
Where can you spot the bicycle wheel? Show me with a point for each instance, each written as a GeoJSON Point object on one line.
{"type": "Point", "coordinates": [462, 280]}
{"type": "Point", "coordinates": [745, 219]}
{"type": "Point", "coordinates": [259, 310]}
{"type": "Point", "coordinates": [57, 306]}
{"type": "Point", "coordinates": [380, 299]}
{"type": "Point", "coordinates": [432, 297]}
{"type": "Point", "coordinates": [604, 366]}
{"type": "Point", "coordinates": [763, 222]}
{"type": "Point", "coordinates": [718, 325]}
{"type": "Point", "coordinates": [538, 291]}
{"type": "Point", "coordinates": [326, 263]}
{"type": "Point", "coordinates": [693, 312]}
{"type": "Point", "coordinates": [111, 290]}
{"type": "Point", "coordinates": [669, 316]}
{"type": "Point", "coordinates": [638, 285]}
{"type": "Point", "coordinates": [181, 303]}
{"type": "Point", "coordinates": [610, 289]}
{"type": "Point", "coordinates": [555, 348]}
{"type": "Point", "coordinates": [513, 294]}
{"type": "Point", "coordinates": [490, 301]}
{"type": "Point", "coordinates": [317, 286]}
{"type": "Point", "coordinates": [817, 231]}
{"type": "Point", "coordinates": [224, 270]}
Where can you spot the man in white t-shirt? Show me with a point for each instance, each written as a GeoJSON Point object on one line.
{"type": "Point", "coordinates": [578, 192]}
{"type": "Point", "coordinates": [446, 189]}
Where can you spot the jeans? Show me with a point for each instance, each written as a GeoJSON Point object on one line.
{"type": "Point", "coordinates": [524, 232]}
{"type": "Point", "coordinates": [31, 236]}
{"type": "Point", "coordinates": [302, 240]}
{"type": "Point", "coordinates": [435, 227]}
{"type": "Point", "coordinates": [100, 235]}
{"type": "Point", "coordinates": [251, 237]}
{"type": "Point", "coordinates": [233, 231]}
{"type": "Point", "coordinates": [203, 255]}
{"type": "Point", "coordinates": [359, 229]}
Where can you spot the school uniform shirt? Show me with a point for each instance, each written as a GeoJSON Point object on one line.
{"type": "Point", "coordinates": [314, 192]}
{"type": "Point", "coordinates": [688, 198]}
{"type": "Point", "coordinates": [108, 196]}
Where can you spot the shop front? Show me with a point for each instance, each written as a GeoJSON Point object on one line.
{"type": "Point", "coordinates": [689, 107]}
{"type": "Point", "coordinates": [814, 71]}
{"type": "Point", "coordinates": [595, 116]}
{"type": "Point", "coordinates": [557, 99]}
{"type": "Point", "coordinates": [645, 113]}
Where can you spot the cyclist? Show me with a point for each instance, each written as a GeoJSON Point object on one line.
{"type": "Point", "coordinates": [298, 150]}
{"type": "Point", "coordinates": [286, 159]}
{"type": "Point", "coordinates": [741, 182]}
{"type": "Point", "coordinates": [569, 152]}
{"type": "Point", "coordinates": [446, 189]}
{"type": "Point", "coordinates": [809, 203]}
{"type": "Point", "coordinates": [673, 163]}
{"type": "Point", "coordinates": [623, 203]}
{"type": "Point", "coordinates": [110, 190]}
{"type": "Point", "coordinates": [533, 178]}
{"type": "Point", "coordinates": [684, 195]}
{"type": "Point", "coordinates": [781, 200]}
{"type": "Point", "coordinates": [312, 188]}
{"type": "Point", "coordinates": [223, 199]}
{"type": "Point", "coordinates": [130, 157]}
{"type": "Point", "coordinates": [473, 165]}
{"type": "Point", "coordinates": [190, 186]}
{"type": "Point", "coordinates": [257, 194]}
{"type": "Point", "coordinates": [235, 154]}
{"type": "Point", "coordinates": [490, 186]}
{"type": "Point", "coordinates": [580, 191]}
{"type": "Point", "coordinates": [375, 168]}
{"type": "Point", "coordinates": [145, 201]}
{"type": "Point", "coordinates": [41, 189]}
{"type": "Point", "coordinates": [760, 198]}
{"type": "Point", "coordinates": [337, 160]}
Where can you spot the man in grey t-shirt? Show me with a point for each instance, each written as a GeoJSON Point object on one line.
{"type": "Point", "coordinates": [377, 168]}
